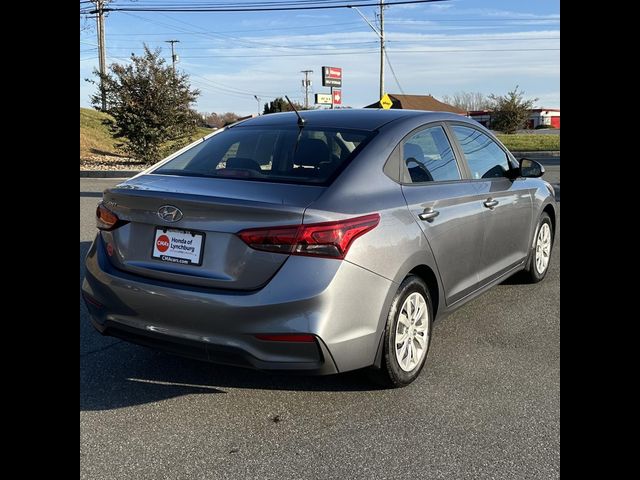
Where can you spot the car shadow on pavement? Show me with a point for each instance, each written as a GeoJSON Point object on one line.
{"type": "Point", "coordinates": [123, 375]}
{"type": "Point", "coordinates": [116, 374]}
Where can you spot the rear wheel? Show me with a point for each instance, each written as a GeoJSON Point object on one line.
{"type": "Point", "coordinates": [407, 334]}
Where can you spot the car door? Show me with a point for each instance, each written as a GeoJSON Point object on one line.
{"type": "Point", "coordinates": [507, 203]}
{"type": "Point", "coordinates": [445, 205]}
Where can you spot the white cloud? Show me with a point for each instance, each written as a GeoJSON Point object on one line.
{"type": "Point", "coordinates": [428, 57]}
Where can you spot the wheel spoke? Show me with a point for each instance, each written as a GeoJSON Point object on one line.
{"type": "Point", "coordinates": [402, 319]}
{"type": "Point", "coordinates": [418, 312]}
{"type": "Point", "coordinates": [403, 350]}
{"type": "Point", "coordinates": [422, 342]}
{"type": "Point", "coordinates": [402, 337]}
{"type": "Point", "coordinates": [411, 354]}
{"type": "Point", "coordinates": [408, 308]}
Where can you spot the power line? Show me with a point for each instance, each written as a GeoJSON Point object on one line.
{"type": "Point", "coordinates": [358, 52]}
{"type": "Point", "coordinates": [303, 27]}
{"type": "Point", "coordinates": [284, 7]}
{"type": "Point", "coordinates": [368, 42]}
{"type": "Point", "coordinates": [386, 54]}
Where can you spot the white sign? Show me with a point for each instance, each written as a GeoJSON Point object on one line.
{"type": "Point", "coordinates": [178, 246]}
{"type": "Point", "coordinates": [323, 98]}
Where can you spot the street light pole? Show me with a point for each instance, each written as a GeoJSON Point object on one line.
{"type": "Point", "coordinates": [257, 100]}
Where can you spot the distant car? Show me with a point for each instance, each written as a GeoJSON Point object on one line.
{"type": "Point", "coordinates": [320, 246]}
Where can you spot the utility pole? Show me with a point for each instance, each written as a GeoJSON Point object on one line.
{"type": "Point", "coordinates": [381, 48]}
{"type": "Point", "coordinates": [99, 11]}
{"type": "Point", "coordinates": [306, 83]}
{"type": "Point", "coordinates": [259, 105]}
{"type": "Point", "coordinates": [174, 57]}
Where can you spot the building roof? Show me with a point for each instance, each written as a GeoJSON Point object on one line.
{"type": "Point", "coordinates": [418, 102]}
{"type": "Point", "coordinates": [488, 112]}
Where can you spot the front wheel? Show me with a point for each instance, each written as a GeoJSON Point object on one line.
{"type": "Point", "coordinates": [407, 334]}
{"type": "Point", "coordinates": [541, 254]}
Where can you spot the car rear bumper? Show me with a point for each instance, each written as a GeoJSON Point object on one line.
{"type": "Point", "coordinates": [344, 306]}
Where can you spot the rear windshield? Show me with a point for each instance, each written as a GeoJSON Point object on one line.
{"type": "Point", "coordinates": [271, 154]}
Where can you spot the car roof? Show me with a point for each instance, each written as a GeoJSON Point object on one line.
{"type": "Point", "coordinates": [358, 118]}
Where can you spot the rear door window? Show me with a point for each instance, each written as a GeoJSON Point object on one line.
{"type": "Point", "coordinates": [428, 157]}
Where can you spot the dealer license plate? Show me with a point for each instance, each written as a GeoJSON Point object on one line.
{"type": "Point", "coordinates": [183, 247]}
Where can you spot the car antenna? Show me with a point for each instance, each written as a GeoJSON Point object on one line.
{"type": "Point", "coordinates": [300, 119]}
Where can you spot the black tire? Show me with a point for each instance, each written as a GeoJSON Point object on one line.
{"type": "Point", "coordinates": [531, 273]}
{"type": "Point", "coordinates": [391, 373]}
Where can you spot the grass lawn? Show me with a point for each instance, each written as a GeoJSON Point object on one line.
{"type": "Point", "coordinates": [522, 142]}
{"type": "Point", "coordinates": [95, 138]}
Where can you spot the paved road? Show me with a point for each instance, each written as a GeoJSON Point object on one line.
{"type": "Point", "coordinates": [487, 405]}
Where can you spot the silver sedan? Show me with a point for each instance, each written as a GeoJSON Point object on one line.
{"type": "Point", "coordinates": [321, 243]}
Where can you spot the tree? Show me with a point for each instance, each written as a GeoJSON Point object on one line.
{"type": "Point", "coordinates": [210, 120]}
{"type": "Point", "coordinates": [280, 105]}
{"type": "Point", "coordinates": [228, 118]}
{"type": "Point", "coordinates": [510, 111]}
{"type": "Point", "coordinates": [150, 105]}
{"type": "Point", "coordinates": [468, 101]}
{"type": "Point", "coordinates": [213, 119]}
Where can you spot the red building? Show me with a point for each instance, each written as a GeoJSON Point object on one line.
{"type": "Point", "coordinates": [537, 116]}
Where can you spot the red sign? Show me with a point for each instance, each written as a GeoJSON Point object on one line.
{"type": "Point", "coordinates": [337, 97]}
{"type": "Point", "coordinates": [163, 243]}
{"type": "Point", "coordinates": [331, 76]}
{"type": "Point", "coordinates": [333, 72]}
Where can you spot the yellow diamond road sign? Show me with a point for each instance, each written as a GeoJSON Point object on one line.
{"type": "Point", "coordinates": [386, 102]}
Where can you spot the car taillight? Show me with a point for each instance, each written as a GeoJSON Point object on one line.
{"type": "Point", "coordinates": [328, 239]}
{"type": "Point", "coordinates": [106, 219]}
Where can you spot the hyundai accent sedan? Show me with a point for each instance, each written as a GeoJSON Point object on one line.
{"type": "Point", "coordinates": [318, 243]}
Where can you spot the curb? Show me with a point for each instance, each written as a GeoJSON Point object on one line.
{"type": "Point", "coordinates": [108, 173]}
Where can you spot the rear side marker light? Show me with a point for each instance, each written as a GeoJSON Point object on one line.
{"type": "Point", "coordinates": [106, 219]}
{"type": "Point", "coordinates": [328, 239]}
{"type": "Point", "coordinates": [287, 337]}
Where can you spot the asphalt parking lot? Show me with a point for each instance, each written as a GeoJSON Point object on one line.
{"type": "Point", "coordinates": [487, 404]}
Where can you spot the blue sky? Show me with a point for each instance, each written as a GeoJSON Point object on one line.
{"type": "Point", "coordinates": [435, 48]}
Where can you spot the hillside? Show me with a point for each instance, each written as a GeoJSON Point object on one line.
{"type": "Point", "coordinates": [94, 136]}
{"type": "Point", "coordinates": [97, 146]}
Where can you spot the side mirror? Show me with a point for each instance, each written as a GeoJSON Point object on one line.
{"type": "Point", "coordinates": [530, 168]}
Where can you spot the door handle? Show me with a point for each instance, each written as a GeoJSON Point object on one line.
{"type": "Point", "coordinates": [429, 214]}
{"type": "Point", "coordinates": [490, 203]}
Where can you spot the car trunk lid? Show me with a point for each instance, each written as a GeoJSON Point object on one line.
{"type": "Point", "coordinates": [212, 211]}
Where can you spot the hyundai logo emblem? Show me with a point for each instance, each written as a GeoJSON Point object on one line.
{"type": "Point", "coordinates": [169, 213]}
